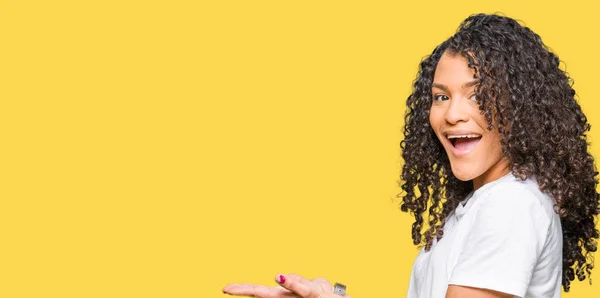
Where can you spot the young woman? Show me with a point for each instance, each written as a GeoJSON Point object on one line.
{"type": "Point", "coordinates": [496, 159]}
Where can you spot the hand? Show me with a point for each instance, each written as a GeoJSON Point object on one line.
{"type": "Point", "coordinates": [290, 286]}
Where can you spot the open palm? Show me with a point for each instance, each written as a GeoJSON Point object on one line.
{"type": "Point", "coordinates": [290, 286]}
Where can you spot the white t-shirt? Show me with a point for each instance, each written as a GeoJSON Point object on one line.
{"type": "Point", "coordinates": [504, 237]}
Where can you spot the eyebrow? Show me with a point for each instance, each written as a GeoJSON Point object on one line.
{"type": "Point", "coordinates": [464, 86]}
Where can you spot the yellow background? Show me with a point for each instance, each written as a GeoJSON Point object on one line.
{"type": "Point", "coordinates": [166, 148]}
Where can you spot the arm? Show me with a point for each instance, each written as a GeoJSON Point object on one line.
{"type": "Point", "coordinates": [460, 291]}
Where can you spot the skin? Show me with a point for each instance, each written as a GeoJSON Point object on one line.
{"type": "Point", "coordinates": [461, 292]}
{"type": "Point", "coordinates": [454, 109]}
{"type": "Point", "coordinates": [290, 286]}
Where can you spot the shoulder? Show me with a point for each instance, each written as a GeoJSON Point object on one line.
{"type": "Point", "coordinates": [506, 236]}
{"type": "Point", "coordinates": [512, 194]}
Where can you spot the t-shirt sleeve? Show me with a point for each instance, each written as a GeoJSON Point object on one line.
{"type": "Point", "coordinates": [505, 241]}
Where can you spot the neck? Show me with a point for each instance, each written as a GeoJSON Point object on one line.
{"type": "Point", "coordinates": [494, 173]}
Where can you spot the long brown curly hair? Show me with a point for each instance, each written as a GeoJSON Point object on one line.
{"type": "Point", "coordinates": [542, 132]}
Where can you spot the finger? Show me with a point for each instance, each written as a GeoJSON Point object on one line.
{"type": "Point", "coordinates": [248, 290]}
{"type": "Point", "coordinates": [299, 285]}
{"type": "Point", "coordinates": [324, 283]}
{"type": "Point", "coordinates": [229, 286]}
{"type": "Point", "coordinates": [258, 291]}
{"type": "Point", "coordinates": [327, 286]}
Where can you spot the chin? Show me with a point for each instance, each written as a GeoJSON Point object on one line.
{"type": "Point", "coordinates": [463, 178]}
{"type": "Point", "coordinates": [463, 175]}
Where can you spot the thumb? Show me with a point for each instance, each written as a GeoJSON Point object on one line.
{"type": "Point", "coordinates": [300, 285]}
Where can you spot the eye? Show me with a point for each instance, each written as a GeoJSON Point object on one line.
{"type": "Point", "coordinates": [440, 97]}
{"type": "Point", "coordinates": [473, 97]}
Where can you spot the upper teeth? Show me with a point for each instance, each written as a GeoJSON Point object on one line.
{"type": "Point", "coordinates": [463, 136]}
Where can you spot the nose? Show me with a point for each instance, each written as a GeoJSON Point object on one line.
{"type": "Point", "coordinates": [456, 111]}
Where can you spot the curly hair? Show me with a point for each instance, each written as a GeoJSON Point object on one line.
{"type": "Point", "coordinates": [530, 101]}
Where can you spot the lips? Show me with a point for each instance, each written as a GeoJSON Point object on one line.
{"type": "Point", "coordinates": [462, 143]}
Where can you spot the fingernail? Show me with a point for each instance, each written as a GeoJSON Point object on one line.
{"type": "Point", "coordinates": [280, 279]}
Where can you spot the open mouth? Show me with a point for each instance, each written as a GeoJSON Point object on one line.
{"type": "Point", "coordinates": [464, 143]}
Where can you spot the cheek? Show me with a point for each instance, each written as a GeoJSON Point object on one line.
{"type": "Point", "coordinates": [479, 118]}
{"type": "Point", "coordinates": [493, 137]}
{"type": "Point", "coordinates": [434, 119]}
{"type": "Point", "coordinates": [431, 121]}
{"type": "Point", "coordinates": [494, 146]}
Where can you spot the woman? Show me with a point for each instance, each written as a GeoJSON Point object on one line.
{"type": "Point", "coordinates": [495, 151]}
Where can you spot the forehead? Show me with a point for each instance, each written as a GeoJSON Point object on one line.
{"type": "Point", "coordinates": [453, 69]}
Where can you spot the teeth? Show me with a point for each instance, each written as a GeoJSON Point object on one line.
{"type": "Point", "coordinates": [463, 136]}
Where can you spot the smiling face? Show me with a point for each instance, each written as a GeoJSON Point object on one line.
{"type": "Point", "coordinates": [474, 152]}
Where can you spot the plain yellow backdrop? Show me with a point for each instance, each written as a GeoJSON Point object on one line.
{"type": "Point", "coordinates": [166, 148]}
